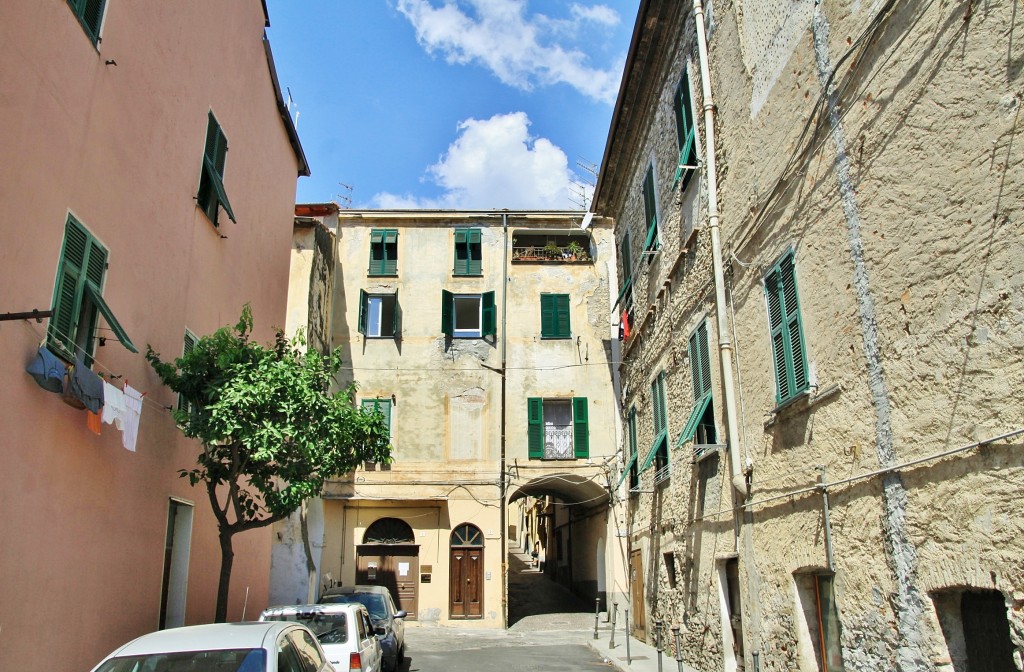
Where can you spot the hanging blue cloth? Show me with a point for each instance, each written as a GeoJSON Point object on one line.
{"type": "Point", "coordinates": [47, 370]}
{"type": "Point", "coordinates": [86, 386]}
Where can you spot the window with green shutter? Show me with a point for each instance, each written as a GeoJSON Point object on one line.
{"type": "Point", "coordinates": [380, 315]}
{"type": "Point", "coordinates": [78, 301]}
{"type": "Point", "coordinates": [788, 346]}
{"type": "Point", "coordinates": [700, 426]}
{"type": "Point", "coordinates": [554, 316]}
{"type": "Point", "coordinates": [383, 252]}
{"type": "Point", "coordinates": [90, 15]}
{"type": "Point", "coordinates": [685, 132]}
{"type": "Point", "coordinates": [557, 429]}
{"type": "Point", "coordinates": [468, 252]}
{"type": "Point", "coordinates": [382, 406]}
{"type": "Point", "coordinates": [631, 470]}
{"type": "Point", "coordinates": [212, 196]}
{"type": "Point", "coordinates": [657, 454]}
{"type": "Point", "coordinates": [468, 315]}
{"type": "Point", "coordinates": [650, 212]}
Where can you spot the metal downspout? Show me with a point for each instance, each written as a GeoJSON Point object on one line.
{"type": "Point", "coordinates": [502, 477]}
{"type": "Point", "coordinates": [724, 341]}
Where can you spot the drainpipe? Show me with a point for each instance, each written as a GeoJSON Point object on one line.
{"type": "Point", "coordinates": [724, 342]}
{"type": "Point", "coordinates": [501, 477]}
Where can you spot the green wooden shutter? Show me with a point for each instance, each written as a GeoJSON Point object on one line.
{"type": "Point", "coordinates": [447, 313]}
{"type": "Point", "coordinates": [554, 316]}
{"type": "Point", "coordinates": [475, 252]}
{"type": "Point", "coordinates": [685, 131]}
{"type": "Point", "coordinates": [376, 252]}
{"type": "Point", "coordinates": [547, 316]}
{"type": "Point", "coordinates": [700, 365]}
{"type": "Point", "coordinates": [390, 252]}
{"type": "Point", "coordinates": [82, 260]}
{"type": "Point", "coordinates": [562, 316]}
{"type": "Point", "coordinates": [580, 429]}
{"type": "Point", "coordinates": [488, 315]}
{"type": "Point", "coordinates": [788, 350]}
{"type": "Point", "coordinates": [461, 264]}
{"type": "Point", "coordinates": [398, 318]}
{"type": "Point", "coordinates": [650, 211]}
{"type": "Point", "coordinates": [658, 398]}
{"type": "Point", "coordinates": [535, 427]}
{"type": "Point", "coordinates": [363, 299]}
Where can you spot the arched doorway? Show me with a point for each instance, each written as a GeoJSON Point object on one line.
{"type": "Point", "coordinates": [389, 557]}
{"type": "Point", "coordinates": [467, 572]}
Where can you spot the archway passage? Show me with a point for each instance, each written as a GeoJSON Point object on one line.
{"type": "Point", "coordinates": [467, 569]}
{"type": "Point", "coordinates": [561, 518]}
{"type": "Point", "coordinates": [389, 557]}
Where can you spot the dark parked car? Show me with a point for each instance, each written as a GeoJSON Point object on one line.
{"type": "Point", "coordinates": [386, 618]}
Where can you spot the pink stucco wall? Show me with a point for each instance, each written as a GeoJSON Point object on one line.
{"type": "Point", "coordinates": [82, 520]}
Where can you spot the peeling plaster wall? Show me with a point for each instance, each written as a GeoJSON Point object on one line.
{"type": "Point", "coordinates": [903, 210]}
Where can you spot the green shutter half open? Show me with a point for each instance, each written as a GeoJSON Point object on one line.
{"type": "Point", "coordinates": [653, 451]}
{"type": "Point", "coordinates": [693, 421]}
{"type": "Point", "coordinates": [447, 313]}
{"type": "Point", "coordinates": [398, 318]}
{"type": "Point", "coordinates": [362, 311]}
{"type": "Point", "coordinates": [535, 427]}
{"type": "Point", "coordinates": [488, 312]}
{"type": "Point", "coordinates": [580, 428]}
{"type": "Point", "coordinates": [108, 315]}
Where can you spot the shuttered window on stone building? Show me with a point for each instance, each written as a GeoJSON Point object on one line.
{"type": "Point", "coordinates": [789, 352]}
{"type": "Point", "coordinates": [686, 132]}
{"type": "Point", "coordinates": [557, 429]}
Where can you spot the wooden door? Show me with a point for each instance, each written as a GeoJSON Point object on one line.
{"type": "Point", "coordinates": [466, 583]}
{"type": "Point", "coordinates": [395, 566]}
{"type": "Point", "coordinates": [638, 619]}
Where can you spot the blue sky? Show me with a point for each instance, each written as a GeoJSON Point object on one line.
{"type": "Point", "coordinates": [463, 104]}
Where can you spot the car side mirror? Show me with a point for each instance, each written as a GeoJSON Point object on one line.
{"type": "Point", "coordinates": [401, 614]}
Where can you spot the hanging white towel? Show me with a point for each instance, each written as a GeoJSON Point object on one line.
{"type": "Point", "coordinates": [133, 404]}
{"type": "Point", "coordinates": [114, 410]}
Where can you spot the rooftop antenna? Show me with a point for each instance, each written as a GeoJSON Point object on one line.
{"type": "Point", "coordinates": [345, 198]}
{"type": "Point", "coordinates": [582, 187]}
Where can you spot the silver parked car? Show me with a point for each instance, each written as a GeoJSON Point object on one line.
{"type": "Point", "coordinates": [387, 620]}
{"type": "Point", "coordinates": [345, 633]}
{"type": "Point", "coordinates": [221, 647]}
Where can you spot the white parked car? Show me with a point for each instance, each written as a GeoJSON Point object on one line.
{"type": "Point", "coordinates": [221, 647]}
{"type": "Point", "coordinates": [344, 631]}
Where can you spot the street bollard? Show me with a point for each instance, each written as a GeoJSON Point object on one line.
{"type": "Point", "coordinates": [615, 610]}
{"type": "Point", "coordinates": [597, 616]}
{"type": "Point", "coordinates": [629, 658]}
{"type": "Point", "coordinates": [657, 640]}
{"type": "Point", "coordinates": [679, 650]}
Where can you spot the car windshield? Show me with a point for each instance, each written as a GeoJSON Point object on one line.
{"type": "Point", "coordinates": [228, 660]}
{"type": "Point", "coordinates": [373, 603]}
{"type": "Point", "coordinates": [328, 628]}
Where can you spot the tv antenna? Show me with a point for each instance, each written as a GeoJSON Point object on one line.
{"type": "Point", "coordinates": [344, 201]}
{"type": "Point", "coordinates": [582, 187]}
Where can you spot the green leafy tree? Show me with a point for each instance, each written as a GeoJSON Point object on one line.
{"type": "Point", "coordinates": [270, 428]}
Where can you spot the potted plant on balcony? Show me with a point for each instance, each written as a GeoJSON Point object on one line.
{"type": "Point", "coordinates": [552, 250]}
{"type": "Point", "coordinates": [576, 251]}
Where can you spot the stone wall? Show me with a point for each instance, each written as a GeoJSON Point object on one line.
{"type": "Point", "coordinates": [876, 143]}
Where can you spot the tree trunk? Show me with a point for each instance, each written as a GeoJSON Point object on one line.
{"type": "Point", "coordinates": [227, 558]}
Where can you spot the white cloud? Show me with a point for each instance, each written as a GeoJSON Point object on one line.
{"type": "Point", "coordinates": [493, 164]}
{"type": "Point", "coordinates": [521, 51]}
